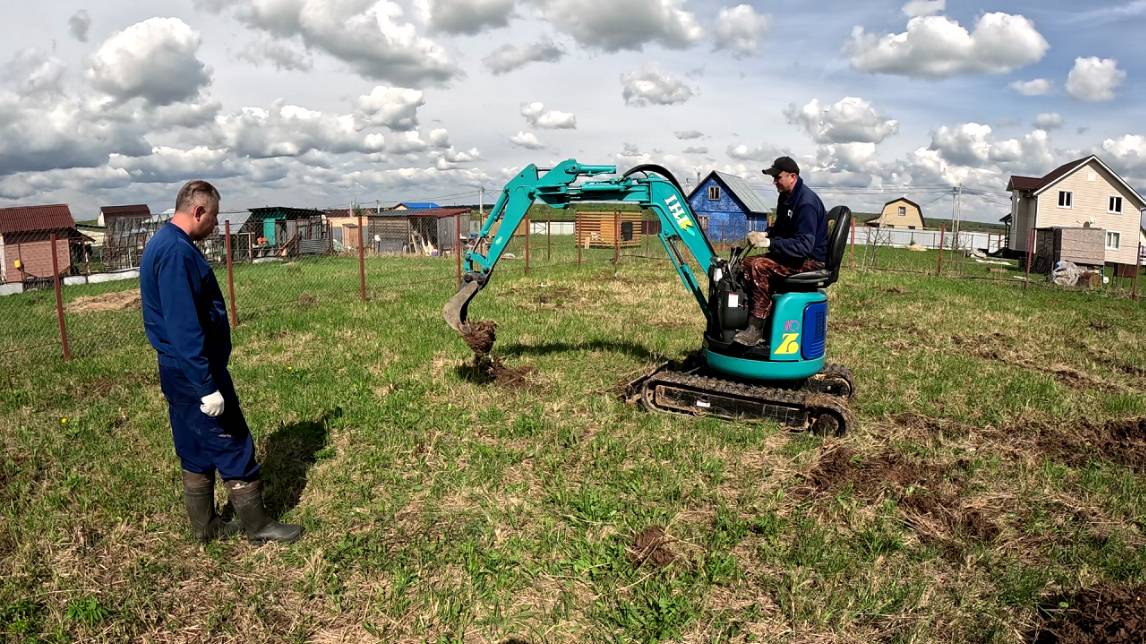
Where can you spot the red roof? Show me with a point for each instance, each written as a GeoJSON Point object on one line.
{"type": "Point", "coordinates": [135, 210]}
{"type": "Point", "coordinates": [23, 219]}
{"type": "Point", "coordinates": [1036, 183]}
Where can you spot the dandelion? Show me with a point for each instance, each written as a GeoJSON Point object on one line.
{"type": "Point", "coordinates": [63, 420]}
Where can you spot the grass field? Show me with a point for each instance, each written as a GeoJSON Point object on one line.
{"type": "Point", "coordinates": [999, 466]}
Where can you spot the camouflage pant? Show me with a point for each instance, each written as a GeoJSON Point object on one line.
{"type": "Point", "coordinates": [759, 269]}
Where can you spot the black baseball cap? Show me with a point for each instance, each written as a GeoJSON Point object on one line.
{"type": "Point", "coordinates": [782, 164]}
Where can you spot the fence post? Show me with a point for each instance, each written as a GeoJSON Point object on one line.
{"type": "Point", "coordinates": [230, 273]}
{"type": "Point", "coordinates": [1137, 270]}
{"type": "Point", "coordinates": [548, 240]}
{"type": "Point", "coordinates": [361, 258]}
{"type": "Point", "coordinates": [853, 220]}
{"type": "Point", "coordinates": [577, 235]}
{"type": "Point", "coordinates": [59, 300]}
{"type": "Point", "coordinates": [939, 255]}
{"type": "Point", "coordinates": [528, 224]}
{"type": "Point", "coordinates": [616, 239]}
{"type": "Point", "coordinates": [1030, 252]}
{"type": "Point", "coordinates": [458, 248]}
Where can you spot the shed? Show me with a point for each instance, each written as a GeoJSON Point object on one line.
{"type": "Point", "coordinates": [437, 227]}
{"type": "Point", "coordinates": [1083, 246]}
{"type": "Point", "coordinates": [283, 226]}
{"type": "Point", "coordinates": [727, 207]}
{"type": "Point", "coordinates": [606, 229]}
{"type": "Point", "coordinates": [124, 234]}
{"type": "Point", "coordinates": [26, 242]}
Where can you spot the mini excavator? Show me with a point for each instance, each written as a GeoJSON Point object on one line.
{"type": "Point", "coordinates": [784, 378]}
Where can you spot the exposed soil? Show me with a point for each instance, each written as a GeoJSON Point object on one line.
{"type": "Point", "coordinates": [117, 301]}
{"type": "Point", "coordinates": [1120, 441]}
{"type": "Point", "coordinates": [506, 376]}
{"type": "Point", "coordinates": [1107, 613]}
{"type": "Point", "coordinates": [651, 546]}
{"type": "Point", "coordinates": [480, 336]}
{"type": "Point", "coordinates": [929, 493]}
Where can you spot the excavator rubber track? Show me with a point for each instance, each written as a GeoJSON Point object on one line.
{"type": "Point", "coordinates": [816, 406]}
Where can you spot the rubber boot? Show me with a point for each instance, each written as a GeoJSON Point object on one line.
{"type": "Point", "coordinates": [247, 498]}
{"type": "Point", "coordinates": [199, 499]}
{"type": "Point", "coordinates": [752, 335]}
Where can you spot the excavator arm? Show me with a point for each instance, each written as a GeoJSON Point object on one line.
{"type": "Point", "coordinates": [649, 186]}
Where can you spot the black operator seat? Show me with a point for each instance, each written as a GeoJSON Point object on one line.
{"type": "Point", "coordinates": [839, 223]}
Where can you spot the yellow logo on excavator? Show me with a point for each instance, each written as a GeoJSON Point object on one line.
{"type": "Point", "coordinates": [788, 345]}
{"type": "Point", "coordinates": [678, 213]}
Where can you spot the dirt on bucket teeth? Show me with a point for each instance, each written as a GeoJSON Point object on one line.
{"type": "Point", "coordinates": [480, 335]}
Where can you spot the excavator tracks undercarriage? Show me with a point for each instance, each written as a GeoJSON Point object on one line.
{"type": "Point", "coordinates": [819, 404]}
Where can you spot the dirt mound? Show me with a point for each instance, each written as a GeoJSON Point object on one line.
{"type": "Point", "coordinates": [480, 336]}
{"type": "Point", "coordinates": [1121, 441]}
{"type": "Point", "coordinates": [1108, 613]}
{"type": "Point", "coordinates": [651, 546]}
{"type": "Point", "coordinates": [118, 301]}
{"type": "Point", "coordinates": [506, 376]}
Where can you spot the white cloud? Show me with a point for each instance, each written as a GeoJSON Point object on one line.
{"type": "Point", "coordinates": [154, 59]}
{"type": "Point", "coordinates": [937, 47]}
{"type": "Point", "coordinates": [695, 149]}
{"type": "Point", "coordinates": [527, 140]}
{"type": "Point", "coordinates": [849, 120]}
{"type": "Point", "coordinates": [924, 7]}
{"type": "Point", "coordinates": [79, 24]}
{"type": "Point", "coordinates": [970, 146]}
{"type": "Point", "coordinates": [649, 86]}
{"type": "Point", "coordinates": [1127, 154]}
{"type": "Point", "coordinates": [290, 131]}
{"type": "Point", "coordinates": [1048, 120]}
{"type": "Point", "coordinates": [686, 135]}
{"type": "Point", "coordinates": [405, 143]}
{"type": "Point", "coordinates": [508, 57]}
{"type": "Point", "coordinates": [1094, 79]}
{"type": "Point", "coordinates": [440, 138]}
{"type": "Point", "coordinates": [171, 165]}
{"type": "Point", "coordinates": [280, 54]}
{"type": "Point", "coordinates": [1035, 87]}
{"type": "Point", "coordinates": [615, 25]}
{"type": "Point", "coordinates": [42, 184]}
{"type": "Point", "coordinates": [392, 107]}
{"type": "Point", "coordinates": [536, 115]}
{"type": "Point", "coordinates": [763, 153]}
{"type": "Point", "coordinates": [740, 28]}
{"type": "Point", "coordinates": [468, 16]}
{"type": "Point", "coordinates": [34, 73]}
{"type": "Point", "coordinates": [856, 157]}
{"type": "Point", "coordinates": [369, 36]}
{"type": "Point", "coordinates": [964, 144]}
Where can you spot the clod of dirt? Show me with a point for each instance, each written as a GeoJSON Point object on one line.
{"type": "Point", "coordinates": [651, 546]}
{"type": "Point", "coordinates": [118, 301]}
{"type": "Point", "coordinates": [479, 336]}
{"type": "Point", "coordinates": [1107, 613]}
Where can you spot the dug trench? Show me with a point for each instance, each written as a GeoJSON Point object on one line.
{"type": "Point", "coordinates": [480, 336]}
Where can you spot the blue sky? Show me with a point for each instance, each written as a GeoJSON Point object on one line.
{"type": "Point", "coordinates": [323, 102]}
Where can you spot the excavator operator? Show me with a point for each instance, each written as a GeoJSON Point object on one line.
{"type": "Point", "coordinates": [796, 242]}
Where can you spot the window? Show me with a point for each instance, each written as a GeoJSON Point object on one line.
{"type": "Point", "coordinates": [903, 211]}
{"type": "Point", "coordinates": [1112, 240]}
{"type": "Point", "coordinates": [1064, 199]}
{"type": "Point", "coordinates": [714, 193]}
{"type": "Point", "coordinates": [1116, 204]}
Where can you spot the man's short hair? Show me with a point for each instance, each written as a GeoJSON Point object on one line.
{"type": "Point", "coordinates": [193, 190]}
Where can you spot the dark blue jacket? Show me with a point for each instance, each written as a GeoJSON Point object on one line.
{"type": "Point", "coordinates": [801, 228]}
{"type": "Point", "coordinates": [183, 309]}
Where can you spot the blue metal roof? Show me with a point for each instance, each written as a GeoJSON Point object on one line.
{"type": "Point", "coordinates": [418, 205]}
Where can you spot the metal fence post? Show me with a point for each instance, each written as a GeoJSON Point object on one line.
{"type": "Point", "coordinates": [1137, 270]}
{"type": "Point", "coordinates": [230, 273]}
{"type": "Point", "coordinates": [458, 248]}
{"type": "Point", "coordinates": [853, 221]}
{"type": "Point", "coordinates": [59, 300]}
{"type": "Point", "coordinates": [577, 235]}
{"type": "Point", "coordinates": [361, 258]}
{"type": "Point", "coordinates": [939, 255]}
{"type": "Point", "coordinates": [616, 238]}
{"type": "Point", "coordinates": [1030, 253]}
{"type": "Point", "coordinates": [548, 241]}
{"type": "Point", "coordinates": [528, 224]}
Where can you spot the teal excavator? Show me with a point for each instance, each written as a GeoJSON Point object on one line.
{"type": "Point", "coordinates": [784, 378]}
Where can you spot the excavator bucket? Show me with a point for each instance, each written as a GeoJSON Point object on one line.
{"type": "Point", "coordinates": [455, 309]}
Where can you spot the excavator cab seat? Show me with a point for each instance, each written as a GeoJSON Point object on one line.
{"type": "Point", "coordinates": [839, 223]}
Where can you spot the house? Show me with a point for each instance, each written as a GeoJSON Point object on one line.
{"type": "Point", "coordinates": [26, 242]}
{"type": "Point", "coordinates": [899, 213]}
{"type": "Point", "coordinates": [343, 225]}
{"type": "Point", "coordinates": [124, 234]}
{"type": "Point", "coordinates": [727, 207]}
{"type": "Point", "coordinates": [1084, 192]}
{"type": "Point", "coordinates": [415, 205]}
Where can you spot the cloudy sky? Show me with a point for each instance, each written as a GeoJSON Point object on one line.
{"type": "Point", "coordinates": [318, 103]}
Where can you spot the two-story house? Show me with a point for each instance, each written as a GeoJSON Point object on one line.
{"type": "Point", "coordinates": [1084, 192]}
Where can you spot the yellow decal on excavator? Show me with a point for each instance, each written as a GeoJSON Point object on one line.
{"type": "Point", "coordinates": [678, 213]}
{"type": "Point", "coordinates": [788, 345]}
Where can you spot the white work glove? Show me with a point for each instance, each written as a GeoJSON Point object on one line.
{"type": "Point", "coordinates": [212, 404]}
{"type": "Point", "coordinates": [759, 239]}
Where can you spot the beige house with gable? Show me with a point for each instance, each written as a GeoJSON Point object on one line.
{"type": "Point", "coordinates": [1084, 192]}
{"type": "Point", "coordinates": [899, 213]}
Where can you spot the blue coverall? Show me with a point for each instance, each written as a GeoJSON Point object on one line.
{"type": "Point", "coordinates": [186, 321]}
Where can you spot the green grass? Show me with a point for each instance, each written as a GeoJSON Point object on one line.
{"type": "Point", "coordinates": [437, 508]}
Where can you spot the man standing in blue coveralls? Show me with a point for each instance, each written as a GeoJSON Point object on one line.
{"type": "Point", "coordinates": [186, 321]}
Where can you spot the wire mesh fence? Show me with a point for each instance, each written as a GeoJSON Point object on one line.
{"type": "Point", "coordinates": [71, 294]}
